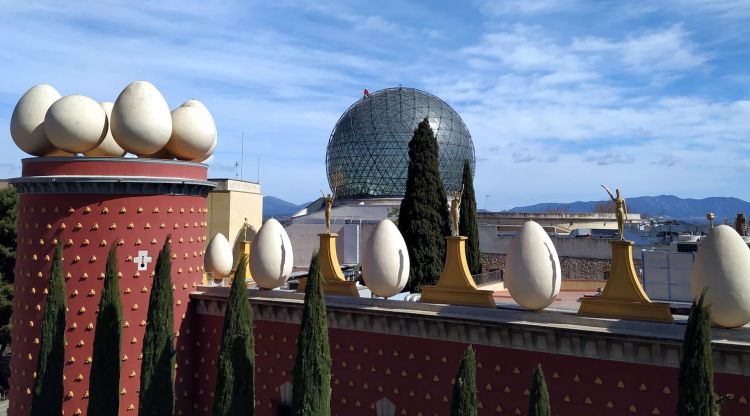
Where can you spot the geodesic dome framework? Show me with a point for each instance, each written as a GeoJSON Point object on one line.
{"type": "Point", "coordinates": [368, 151]}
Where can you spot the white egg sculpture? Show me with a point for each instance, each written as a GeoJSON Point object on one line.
{"type": "Point", "coordinates": [141, 122]}
{"type": "Point", "coordinates": [722, 265]}
{"type": "Point", "coordinates": [219, 258]}
{"type": "Point", "coordinates": [76, 124]}
{"type": "Point", "coordinates": [199, 105]}
{"type": "Point", "coordinates": [385, 260]}
{"type": "Point", "coordinates": [108, 147]}
{"type": "Point", "coordinates": [27, 121]}
{"type": "Point", "coordinates": [195, 104]}
{"type": "Point", "coordinates": [271, 257]}
{"type": "Point", "coordinates": [532, 268]}
{"type": "Point", "coordinates": [208, 154]}
{"type": "Point", "coordinates": [161, 154]}
{"type": "Point", "coordinates": [193, 132]}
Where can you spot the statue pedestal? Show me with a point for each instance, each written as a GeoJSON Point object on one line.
{"type": "Point", "coordinates": [623, 296]}
{"type": "Point", "coordinates": [245, 251]}
{"type": "Point", "coordinates": [456, 286]}
{"type": "Point", "coordinates": [334, 282]}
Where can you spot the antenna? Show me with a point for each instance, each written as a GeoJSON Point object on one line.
{"type": "Point", "coordinates": [236, 169]}
{"type": "Point", "coordinates": [242, 158]}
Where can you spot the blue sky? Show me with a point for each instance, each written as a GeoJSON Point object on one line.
{"type": "Point", "coordinates": [559, 96]}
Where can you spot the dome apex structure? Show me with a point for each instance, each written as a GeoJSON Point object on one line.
{"type": "Point", "coordinates": [368, 151]}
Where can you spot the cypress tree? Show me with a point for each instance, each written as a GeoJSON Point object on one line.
{"type": "Point", "coordinates": [157, 367]}
{"type": "Point", "coordinates": [104, 379]}
{"type": "Point", "coordinates": [696, 381]}
{"type": "Point", "coordinates": [47, 395]}
{"type": "Point", "coordinates": [539, 396]}
{"type": "Point", "coordinates": [235, 391]}
{"type": "Point", "coordinates": [468, 221]}
{"type": "Point", "coordinates": [311, 393]}
{"type": "Point", "coordinates": [464, 401]}
{"type": "Point", "coordinates": [423, 217]}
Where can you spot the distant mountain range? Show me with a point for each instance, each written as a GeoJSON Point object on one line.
{"type": "Point", "coordinates": [278, 208]}
{"type": "Point", "coordinates": [653, 206]}
{"type": "Point", "coordinates": [662, 205]}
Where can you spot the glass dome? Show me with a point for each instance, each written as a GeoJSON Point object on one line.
{"type": "Point", "coordinates": [368, 151]}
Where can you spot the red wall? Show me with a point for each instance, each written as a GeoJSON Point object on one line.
{"type": "Point", "coordinates": [416, 375]}
{"type": "Point", "coordinates": [41, 220]}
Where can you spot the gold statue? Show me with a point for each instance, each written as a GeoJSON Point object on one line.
{"type": "Point", "coordinates": [621, 211]}
{"type": "Point", "coordinates": [455, 206]}
{"type": "Point", "coordinates": [328, 199]}
{"type": "Point", "coordinates": [710, 217]}
{"type": "Point", "coordinates": [245, 226]}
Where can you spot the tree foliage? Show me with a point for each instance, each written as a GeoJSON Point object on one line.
{"type": "Point", "coordinates": [104, 379]}
{"type": "Point", "coordinates": [464, 401]}
{"type": "Point", "coordinates": [539, 396]}
{"type": "Point", "coordinates": [157, 366]}
{"type": "Point", "coordinates": [47, 393]}
{"type": "Point", "coordinates": [235, 385]}
{"type": "Point", "coordinates": [423, 216]}
{"type": "Point", "coordinates": [468, 221]}
{"type": "Point", "coordinates": [696, 380]}
{"type": "Point", "coordinates": [8, 224]}
{"type": "Point", "coordinates": [311, 392]}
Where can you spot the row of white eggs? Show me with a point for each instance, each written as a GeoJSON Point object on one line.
{"type": "Point", "coordinates": [721, 268]}
{"type": "Point", "coordinates": [271, 257]}
{"type": "Point", "coordinates": [139, 121]}
{"type": "Point", "coordinates": [385, 263]}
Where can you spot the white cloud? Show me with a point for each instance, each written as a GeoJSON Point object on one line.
{"type": "Point", "coordinates": [658, 51]}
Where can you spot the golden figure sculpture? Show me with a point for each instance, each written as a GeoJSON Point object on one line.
{"type": "Point", "coordinates": [328, 199]}
{"type": "Point", "coordinates": [245, 226]}
{"type": "Point", "coordinates": [621, 211]}
{"type": "Point", "coordinates": [455, 206]}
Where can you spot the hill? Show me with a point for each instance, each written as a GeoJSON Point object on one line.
{"type": "Point", "coordinates": [278, 208]}
{"type": "Point", "coordinates": [662, 205]}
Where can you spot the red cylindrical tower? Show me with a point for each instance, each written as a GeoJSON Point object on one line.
{"type": "Point", "coordinates": [89, 204]}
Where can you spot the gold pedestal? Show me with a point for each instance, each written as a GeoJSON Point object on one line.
{"type": "Point", "coordinates": [245, 251]}
{"type": "Point", "coordinates": [334, 282]}
{"type": "Point", "coordinates": [456, 286]}
{"type": "Point", "coordinates": [623, 296]}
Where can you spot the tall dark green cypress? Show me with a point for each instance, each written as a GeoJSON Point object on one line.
{"type": "Point", "coordinates": [311, 393]}
{"type": "Point", "coordinates": [696, 381]}
{"type": "Point", "coordinates": [464, 401]}
{"type": "Point", "coordinates": [423, 217]}
{"type": "Point", "coordinates": [157, 367]}
{"type": "Point", "coordinates": [47, 394]}
{"type": "Point", "coordinates": [539, 396]}
{"type": "Point", "coordinates": [235, 385]}
{"type": "Point", "coordinates": [104, 379]}
{"type": "Point", "coordinates": [467, 223]}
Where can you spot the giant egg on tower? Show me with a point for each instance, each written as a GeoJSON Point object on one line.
{"type": "Point", "coordinates": [141, 122]}
{"type": "Point", "coordinates": [27, 121]}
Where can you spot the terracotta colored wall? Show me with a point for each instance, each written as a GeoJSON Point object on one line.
{"type": "Point", "coordinates": [41, 219]}
{"type": "Point", "coordinates": [416, 375]}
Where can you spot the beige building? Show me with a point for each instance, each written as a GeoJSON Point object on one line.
{"type": "Point", "coordinates": [230, 204]}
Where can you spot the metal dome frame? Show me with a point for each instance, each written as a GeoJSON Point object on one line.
{"type": "Point", "coordinates": [368, 150]}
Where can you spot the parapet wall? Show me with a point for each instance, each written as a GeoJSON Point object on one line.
{"type": "Point", "coordinates": [406, 355]}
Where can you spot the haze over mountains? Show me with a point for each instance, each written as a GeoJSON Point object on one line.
{"type": "Point", "coordinates": [653, 206]}
{"type": "Point", "coordinates": [662, 205]}
{"type": "Point", "coordinates": [278, 208]}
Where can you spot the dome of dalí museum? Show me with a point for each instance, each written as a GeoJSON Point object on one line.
{"type": "Point", "coordinates": [368, 151]}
